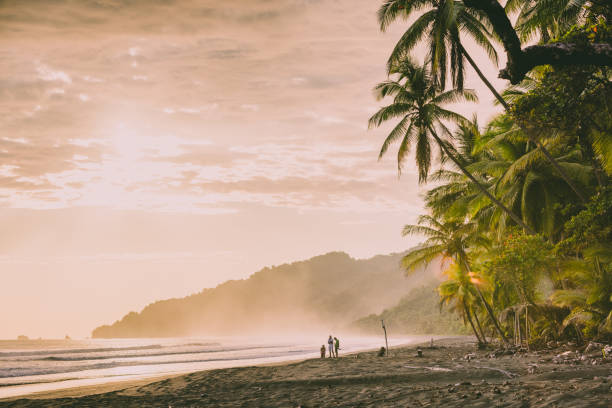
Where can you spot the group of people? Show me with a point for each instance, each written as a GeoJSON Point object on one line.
{"type": "Point", "coordinates": [333, 344]}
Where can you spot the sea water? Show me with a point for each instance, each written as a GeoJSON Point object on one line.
{"type": "Point", "coordinates": [31, 366]}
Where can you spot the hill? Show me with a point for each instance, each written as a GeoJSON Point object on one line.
{"type": "Point", "coordinates": [416, 313]}
{"type": "Point", "coordinates": [327, 291]}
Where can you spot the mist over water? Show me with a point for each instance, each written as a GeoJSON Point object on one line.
{"type": "Point", "coordinates": [45, 365]}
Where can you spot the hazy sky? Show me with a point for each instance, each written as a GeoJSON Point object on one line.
{"type": "Point", "coordinates": [152, 148]}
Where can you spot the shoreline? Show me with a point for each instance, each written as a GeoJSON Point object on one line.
{"type": "Point", "coordinates": [453, 373]}
{"type": "Point", "coordinates": [112, 384]}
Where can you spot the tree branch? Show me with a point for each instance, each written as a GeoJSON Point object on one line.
{"type": "Point", "coordinates": [560, 53]}
{"type": "Point", "coordinates": [521, 61]}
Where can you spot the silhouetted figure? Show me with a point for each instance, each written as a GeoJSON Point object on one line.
{"type": "Point", "coordinates": [336, 345]}
{"type": "Point", "coordinates": [381, 352]}
{"type": "Point", "coordinates": [330, 346]}
{"type": "Point", "coordinates": [323, 351]}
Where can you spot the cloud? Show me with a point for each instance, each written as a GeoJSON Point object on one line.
{"type": "Point", "coordinates": [48, 74]}
{"type": "Point", "coordinates": [226, 102]}
{"type": "Point", "coordinates": [250, 107]}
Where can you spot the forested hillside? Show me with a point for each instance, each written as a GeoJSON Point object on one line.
{"type": "Point", "coordinates": [327, 291]}
{"type": "Point", "coordinates": [418, 312]}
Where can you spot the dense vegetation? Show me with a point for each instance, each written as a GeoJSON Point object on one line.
{"type": "Point", "coordinates": [325, 292]}
{"type": "Point", "coordinates": [416, 313]}
{"type": "Point", "coordinates": [521, 207]}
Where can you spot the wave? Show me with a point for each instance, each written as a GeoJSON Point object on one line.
{"type": "Point", "coordinates": [167, 353]}
{"type": "Point", "coordinates": [54, 357]}
{"type": "Point", "coordinates": [77, 351]}
{"type": "Point", "coordinates": [21, 372]}
{"type": "Point", "coordinates": [36, 353]}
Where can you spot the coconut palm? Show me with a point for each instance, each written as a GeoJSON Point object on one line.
{"type": "Point", "coordinates": [545, 18]}
{"type": "Point", "coordinates": [448, 239]}
{"type": "Point", "coordinates": [441, 26]}
{"type": "Point", "coordinates": [455, 195]}
{"type": "Point", "coordinates": [589, 295]}
{"type": "Point", "coordinates": [457, 292]}
{"type": "Point", "coordinates": [417, 103]}
{"type": "Point", "coordinates": [524, 179]}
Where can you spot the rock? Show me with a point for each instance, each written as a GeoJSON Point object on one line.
{"type": "Point", "coordinates": [532, 368]}
{"type": "Point", "coordinates": [594, 346]}
{"type": "Point", "coordinates": [452, 389]}
{"type": "Point", "coordinates": [497, 390]}
{"type": "Point", "coordinates": [469, 356]}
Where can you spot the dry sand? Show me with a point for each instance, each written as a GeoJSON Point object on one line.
{"type": "Point", "coordinates": [453, 374]}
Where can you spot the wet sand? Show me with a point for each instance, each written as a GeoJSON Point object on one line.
{"type": "Point", "coordinates": [453, 374]}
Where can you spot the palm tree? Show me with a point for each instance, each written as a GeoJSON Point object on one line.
{"type": "Point", "coordinates": [589, 295]}
{"type": "Point", "coordinates": [448, 239]}
{"type": "Point", "coordinates": [455, 195]}
{"type": "Point", "coordinates": [457, 292]}
{"type": "Point", "coordinates": [545, 18]}
{"type": "Point", "coordinates": [527, 182]}
{"type": "Point", "coordinates": [417, 101]}
{"type": "Point", "coordinates": [441, 25]}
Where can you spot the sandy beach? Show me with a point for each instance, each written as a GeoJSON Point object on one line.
{"type": "Point", "coordinates": [454, 373]}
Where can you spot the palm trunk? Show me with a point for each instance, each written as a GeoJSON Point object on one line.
{"type": "Point", "coordinates": [491, 315]}
{"type": "Point", "coordinates": [488, 308]}
{"type": "Point", "coordinates": [529, 134]}
{"type": "Point", "coordinates": [484, 338]}
{"type": "Point", "coordinates": [469, 317]}
{"type": "Point", "coordinates": [482, 188]}
{"type": "Point", "coordinates": [484, 79]}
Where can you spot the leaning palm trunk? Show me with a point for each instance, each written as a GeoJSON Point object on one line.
{"type": "Point", "coordinates": [529, 134]}
{"type": "Point", "coordinates": [482, 334]}
{"type": "Point", "coordinates": [488, 308]}
{"type": "Point", "coordinates": [482, 188]}
{"type": "Point", "coordinates": [491, 315]}
{"type": "Point", "coordinates": [469, 318]}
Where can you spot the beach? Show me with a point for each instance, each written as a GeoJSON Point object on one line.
{"type": "Point", "coordinates": [453, 373]}
{"type": "Point", "coordinates": [41, 367]}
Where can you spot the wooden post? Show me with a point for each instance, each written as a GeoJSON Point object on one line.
{"type": "Point", "coordinates": [385, 329]}
{"type": "Point", "coordinates": [517, 331]}
{"type": "Point", "coordinates": [527, 327]}
{"type": "Point", "coordinates": [518, 326]}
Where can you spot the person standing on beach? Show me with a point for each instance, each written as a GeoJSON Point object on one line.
{"type": "Point", "coordinates": [336, 345]}
{"type": "Point", "coordinates": [330, 346]}
{"type": "Point", "coordinates": [322, 351]}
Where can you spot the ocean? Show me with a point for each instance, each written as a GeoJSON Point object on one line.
{"type": "Point", "coordinates": [30, 366]}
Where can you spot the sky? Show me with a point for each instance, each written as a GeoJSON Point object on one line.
{"type": "Point", "coordinates": [150, 149]}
